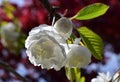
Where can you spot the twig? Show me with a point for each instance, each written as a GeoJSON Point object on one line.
{"type": "Point", "coordinates": [46, 5]}
{"type": "Point", "coordinates": [51, 10]}
{"type": "Point", "coordinates": [8, 68]}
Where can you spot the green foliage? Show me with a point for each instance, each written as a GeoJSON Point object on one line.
{"type": "Point", "coordinates": [70, 74]}
{"type": "Point", "coordinates": [74, 75]}
{"type": "Point", "coordinates": [92, 41]}
{"type": "Point", "coordinates": [9, 9]}
{"type": "Point", "coordinates": [91, 11]}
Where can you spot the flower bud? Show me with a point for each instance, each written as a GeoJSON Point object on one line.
{"type": "Point", "coordinates": [78, 56]}
{"type": "Point", "coordinates": [64, 27]}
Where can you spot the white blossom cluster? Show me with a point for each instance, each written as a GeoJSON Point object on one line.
{"type": "Point", "coordinates": [9, 36]}
{"type": "Point", "coordinates": [102, 77]}
{"type": "Point", "coordinates": [46, 47]}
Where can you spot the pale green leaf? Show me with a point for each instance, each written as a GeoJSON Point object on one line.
{"type": "Point", "coordinates": [77, 74]}
{"type": "Point", "coordinates": [92, 41]}
{"type": "Point", "coordinates": [82, 79]}
{"type": "Point", "coordinates": [74, 75]}
{"type": "Point", "coordinates": [91, 11]}
{"type": "Point", "coordinates": [70, 74]}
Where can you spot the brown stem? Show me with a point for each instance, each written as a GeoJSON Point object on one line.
{"type": "Point", "coordinates": [8, 68]}
{"type": "Point", "coordinates": [46, 4]}
{"type": "Point", "coordinates": [52, 10]}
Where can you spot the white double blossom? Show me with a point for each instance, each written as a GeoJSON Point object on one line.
{"type": "Point", "coordinates": [102, 77]}
{"type": "Point", "coordinates": [47, 47]}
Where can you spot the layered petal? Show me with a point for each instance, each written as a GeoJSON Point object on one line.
{"type": "Point", "coordinates": [34, 34]}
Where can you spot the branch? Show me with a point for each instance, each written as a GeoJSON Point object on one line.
{"type": "Point", "coordinates": [8, 68]}
{"type": "Point", "coordinates": [52, 10]}
{"type": "Point", "coordinates": [46, 5]}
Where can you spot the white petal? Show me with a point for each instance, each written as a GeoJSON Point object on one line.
{"type": "Point", "coordinates": [97, 80]}
{"type": "Point", "coordinates": [106, 76]}
{"type": "Point", "coordinates": [42, 27]}
{"type": "Point", "coordinates": [56, 36]}
{"type": "Point", "coordinates": [102, 77]}
{"type": "Point", "coordinates": [30, 39]}
{"type": "Point", "coordinates": [94, 80]}
{"type": "Point", "coordinates": [66, 47]}
{"type": "Point", "coordinates": [77, 40]}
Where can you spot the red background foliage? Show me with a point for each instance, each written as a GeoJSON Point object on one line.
{"type": "Point", "coordinates": [33, 14]}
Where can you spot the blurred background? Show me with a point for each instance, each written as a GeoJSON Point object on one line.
{"type": "Point", "coordinates": [18, 17]}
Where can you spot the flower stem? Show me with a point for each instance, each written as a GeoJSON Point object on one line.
{"type": "Point", "coordinates": [72, 18]}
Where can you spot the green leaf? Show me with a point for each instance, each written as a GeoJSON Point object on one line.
{"type": "Point", "coordinates": [91, 11]}
{"type": "Point", "coordinates": [74, 75]}
{"type": "Point", "coordinates": [82, 79]}
{"type": "Point", "coordinates": [77, 74]}
{"type": "Point", "coordinates": [70, 74]}
{"type": "Point", "coordinates": [92, 41]}
{"type": "Point", "coordinates": [9, 9]}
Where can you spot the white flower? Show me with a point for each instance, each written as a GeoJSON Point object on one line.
{"type": "Point", "coordinates": [102, 77]}
{"type": "Point", "coordinates": [9, 36]}
{"type": "Point", "coordinates": [78, 56]}
{"type": "Point", "coordinates": [45, 47]}
{"type": "Point", "coordinates": [64, 27]}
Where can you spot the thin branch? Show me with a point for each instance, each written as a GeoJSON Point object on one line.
{"type": "Point", "coordinates": [46, 5]}
{"type": "Point", "coordinates": [52, 10]}
{"type": "Point", "coordinates": [8, 68]}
